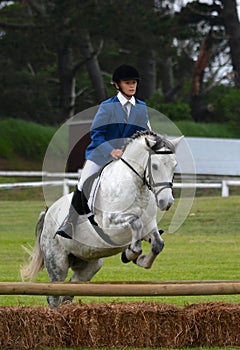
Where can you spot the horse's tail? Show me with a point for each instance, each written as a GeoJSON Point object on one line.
{"type": "Point", "coordinates": [36, 264]}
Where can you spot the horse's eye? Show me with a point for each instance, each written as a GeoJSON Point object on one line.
{"type": "Point", "coordinates": [155, 167]}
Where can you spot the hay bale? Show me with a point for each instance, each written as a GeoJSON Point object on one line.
{"type": "Point", "coordinates": [31, 328]}
{"type": "Point", "coordinates": [120, 325]}
{"type": "Point", "coordinates": [214, 324]}
{"type": "Point", "coordinates": [126, 325]}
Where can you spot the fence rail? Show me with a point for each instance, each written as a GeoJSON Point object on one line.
{"type": "Point", "coordinates": [67, 180]}
{"type": "Point", "coordinates": [39, 174]}
{"type": "Point", "coordinates": [175, 288]}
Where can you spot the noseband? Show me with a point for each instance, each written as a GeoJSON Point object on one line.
{"type": "Point", "coordinates": [151, 184]}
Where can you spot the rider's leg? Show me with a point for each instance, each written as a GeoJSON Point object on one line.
{"type": "Point", "coordinates": [89, 169]}
{"type": "Point", "coordinates": [76, 207]}
{"type": "Point", "coordinates": [66, 230]}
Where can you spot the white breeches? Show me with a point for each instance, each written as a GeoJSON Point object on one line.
{"type": "Point", "coordinates": [89, 169]}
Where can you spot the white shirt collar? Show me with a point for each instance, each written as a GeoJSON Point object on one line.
{"type": "Point", "coordinates": [123, 99]}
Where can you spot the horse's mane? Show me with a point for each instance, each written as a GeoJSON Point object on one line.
{"type": "Point", "coordinates": [162, 141]}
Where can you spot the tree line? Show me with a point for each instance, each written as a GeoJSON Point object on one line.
{"type": "Point", "coordinates": [57, 56]}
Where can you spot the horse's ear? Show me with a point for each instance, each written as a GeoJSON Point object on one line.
{"type": "Point", "coordinates": [150, 142]}
{"type": "Point", "coordinates": [176, 141]}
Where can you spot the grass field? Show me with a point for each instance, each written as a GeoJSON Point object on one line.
{"type": "Point", "coordinates": [206, 247]}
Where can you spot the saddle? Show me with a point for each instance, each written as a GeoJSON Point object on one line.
{"type": "Point", "coordinates": [89, 186]}
{"type": "Point", "coordinates": [89, 190]}
{"type": "Point", "coordinates": [88, 193]}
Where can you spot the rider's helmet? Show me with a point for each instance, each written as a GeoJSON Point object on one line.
{"type": "Point", "coordinates": [125, 72]}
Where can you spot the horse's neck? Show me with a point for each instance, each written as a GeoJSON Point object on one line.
{"type": "Point", "coordinates": [137, 155]}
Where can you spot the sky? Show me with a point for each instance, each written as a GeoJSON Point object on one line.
{"type": "Point", "coordinates": [180, 3]}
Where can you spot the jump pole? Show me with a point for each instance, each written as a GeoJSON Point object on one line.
{"type": "Point", "coordinates": [175, 288]}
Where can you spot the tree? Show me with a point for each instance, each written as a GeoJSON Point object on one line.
{"type": "Point", "coordinates": [59, 55]}
{"type": "Point", "coordinates": [215, 20]}
{"type": "Point", "coordinates": [72, 54]}
{"type": "Point", "coordinates": [232, 27]}
{"type": "Point", "coordinates": [197, 92]}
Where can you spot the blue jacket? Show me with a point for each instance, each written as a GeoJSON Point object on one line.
{"type": "Point", "coordinates": [108, 130]}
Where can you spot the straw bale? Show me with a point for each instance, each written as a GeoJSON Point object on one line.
{"type": "Point", "coordinates": [31, 327]}
{"type": "Point", "coordinates": [120, 325]}
{"type": "Point", "coordinates": [127, 324]}
{"type": "Point", "coordinates": [214, 324]}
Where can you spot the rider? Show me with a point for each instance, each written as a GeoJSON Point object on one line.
{"type": "Point", "coordinates": [117, 118]}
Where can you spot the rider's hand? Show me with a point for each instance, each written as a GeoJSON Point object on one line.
{"type": "Point", "coordinates": [116, 153]}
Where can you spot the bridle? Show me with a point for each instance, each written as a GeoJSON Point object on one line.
{"type": "Point", "coordinates": [151, 184]}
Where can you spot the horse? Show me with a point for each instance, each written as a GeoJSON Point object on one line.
{"type": "Point", "coordinates": [124, 205]}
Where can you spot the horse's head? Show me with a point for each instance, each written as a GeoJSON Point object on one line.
{"type": "Point", "coordinates": [160, 169]}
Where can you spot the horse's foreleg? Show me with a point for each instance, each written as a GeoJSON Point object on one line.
{"type": "Point", "coordinates": [136, 228]}
{"type": "Point", "coordinates": [135, 224]}
{"type": "Point", "coordinates": [135, 248]}
{"type": "Point", "coordinates": [157, 244]}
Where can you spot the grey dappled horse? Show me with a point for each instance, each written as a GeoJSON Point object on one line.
{"type": "Point", "coordinates": [125, 212]}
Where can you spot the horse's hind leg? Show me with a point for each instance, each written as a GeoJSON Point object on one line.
{"type": "Point", "coordinates": [57, 268]}
{"type": "Point", "coordinates": [84, 270]}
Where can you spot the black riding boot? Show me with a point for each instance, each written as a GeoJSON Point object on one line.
{"type": "Point", "coordinates": [67, 228]}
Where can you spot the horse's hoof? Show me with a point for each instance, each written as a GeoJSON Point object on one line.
{"type": "Point", "coordinates": [124, 258]}
{"type": "Point", "coordinates": [142, 261]}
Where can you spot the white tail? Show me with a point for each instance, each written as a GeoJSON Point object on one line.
{"type": "Point", "coordinates": [36, 264]}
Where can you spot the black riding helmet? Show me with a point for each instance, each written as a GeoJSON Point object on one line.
{"type": "Point", "coordinates": [125, 72]}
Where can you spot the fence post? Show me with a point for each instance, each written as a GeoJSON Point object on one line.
{"type": "Point", "coordinates": [65, 187]}
{"type": "Point", "coordinates": [225, 189]}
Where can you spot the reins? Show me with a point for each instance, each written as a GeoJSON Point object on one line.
{"type": "Point", "coordinates": [150, 184]}
{"type": "Point", "coordinates": [144, 180]}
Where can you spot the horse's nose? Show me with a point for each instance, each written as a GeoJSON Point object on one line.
{"type": "Point", "coordinates": [165, 205]}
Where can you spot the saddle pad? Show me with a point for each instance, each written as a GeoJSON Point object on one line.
{"type": "Point", "coordinates": [87, 186]}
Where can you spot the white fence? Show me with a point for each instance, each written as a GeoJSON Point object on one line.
{"type": "Point", "coordinates": [70, 179]}
{"type": "Point", "coordinates": [66, 180]}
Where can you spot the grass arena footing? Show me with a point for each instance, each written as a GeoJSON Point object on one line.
{"type": "Point", "coordinates": [120, 325]}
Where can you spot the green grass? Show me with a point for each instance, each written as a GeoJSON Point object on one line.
{"type": "Point", "coordinates": [191, 128]}
{"type": "Point", "coordinates": [23, 138]}
{"type": "Point", "coordinates": [191, 348]}
{"type": "Point", "coordinates": [206, 247]}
